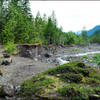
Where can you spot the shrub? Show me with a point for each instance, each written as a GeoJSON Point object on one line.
{"type": "Point", "coordinates": [10, 47]}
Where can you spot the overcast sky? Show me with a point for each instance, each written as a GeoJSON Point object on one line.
{"type": "Point", "coordinates": [71, 15]}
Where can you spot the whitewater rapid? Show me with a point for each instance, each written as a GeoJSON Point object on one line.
{"type": "Point", "coordinates": [61, 61]}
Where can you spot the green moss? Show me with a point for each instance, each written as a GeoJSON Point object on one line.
{"type": "Point", "coordinates": [75, 92]}
{"type": "Point", "coordinates": [95, 75]}
{"type": "Point", "coordinates": [35, 86]}
{"type": "Point", "coordinates": [74, 81]}
{"type": "Point", "coordinates": [93, 82]}
{"type": "Point", "coordinates": [97, 90]}
{"type": "Point", "coordinates": [66, 68]}
{"type": "Point", "coordinates": [86, 57]}
{"type": "Point", "coordinates": [72, 77]}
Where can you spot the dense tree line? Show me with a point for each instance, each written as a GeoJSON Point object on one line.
{"type": "Point", "coordinates": [95, 38]}
{"type": "Point", "coordinates": [17, 25]}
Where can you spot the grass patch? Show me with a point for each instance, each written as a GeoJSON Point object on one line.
{"type": "Point", "coordinates": [74, 81]}
{"type": "Point", "coordinates": [96, 59]}
{"type": "Point", "coordinates": [75, 92]}
{"type": "Point", "coordinates": [93, 82]}
{"type": "Point", "coordinates": [35, 86]}
{"type": "Point", "coordinates": [86, 57]}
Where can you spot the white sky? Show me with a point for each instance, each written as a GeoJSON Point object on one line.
{"type": "Point", "coordinates": [71, 15]}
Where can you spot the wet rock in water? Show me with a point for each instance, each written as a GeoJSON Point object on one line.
{"type": "Point", "coordinates": [61, 61]}
{"type": "Point", "coordinates": [49, 60]}
{"type": "Point", "coordinates": [94, 97]}
{"type": "Point", "coordinates": [6, 61]}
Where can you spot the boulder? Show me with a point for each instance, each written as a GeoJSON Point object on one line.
{"type": "Point", "coordinates": [47, 55]}
{"type": "Point", "coordinates": [94, 97]}
{"type": "Point", "coordinates": [6, 61]}
{"type": "Point", "coordinates": [7, 90]}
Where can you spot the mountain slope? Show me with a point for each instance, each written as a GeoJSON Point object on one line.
{"type": "Point", "coordinates": [93, 30]}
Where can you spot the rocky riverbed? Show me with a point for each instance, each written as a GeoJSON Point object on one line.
{"type": "Point", "coordinates": [75, 52]}
{"type": "Point", "coordinates": [22, 68]}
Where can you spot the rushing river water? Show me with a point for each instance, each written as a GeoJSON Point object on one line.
{"type": "Point", "coordinates": [61, 61]}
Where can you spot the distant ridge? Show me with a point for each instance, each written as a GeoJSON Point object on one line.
{"type": "Point", "coordinates": [93, 30]}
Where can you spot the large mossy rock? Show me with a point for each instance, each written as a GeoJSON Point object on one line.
{"type": "Point", "coordinates": [67, 82]}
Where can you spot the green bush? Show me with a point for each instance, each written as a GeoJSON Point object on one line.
{"type": "Point", "coordinates": [10, 47]}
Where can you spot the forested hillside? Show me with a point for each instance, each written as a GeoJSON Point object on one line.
{"type": "Point", "coordinates": [17, 25]}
